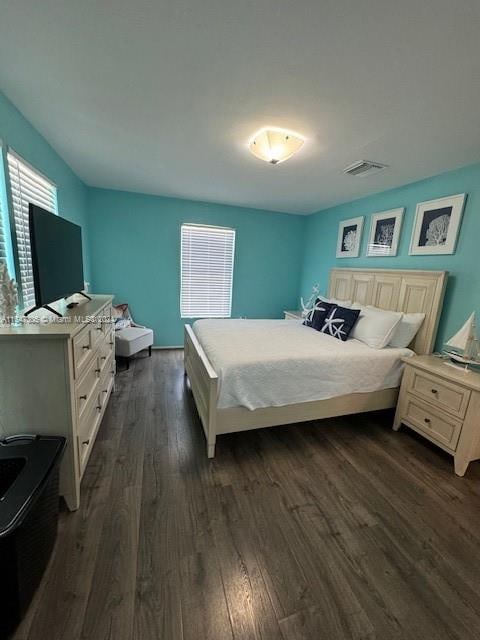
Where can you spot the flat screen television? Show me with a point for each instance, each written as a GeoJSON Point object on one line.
{"type": "Point", "coordinates": [56, 246]}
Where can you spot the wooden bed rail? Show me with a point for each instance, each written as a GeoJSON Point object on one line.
{"type": "Point", "coordinates": [204, 384]}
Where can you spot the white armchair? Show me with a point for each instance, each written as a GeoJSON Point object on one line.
{"type": "Point", "coordinates": [133, 338]}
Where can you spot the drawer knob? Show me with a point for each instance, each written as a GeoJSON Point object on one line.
{"type": "Point", "coordinates": [97, 370]}
{"type": "Point", "coordinates": [111, 343]}
{"type": "Point", "coordinates": [105, 391]}
{"type": "Point", "coordinates": [434, 391]}
{"type": "Point", "coordinates": [84, 397]}
{"type": "Point", "coordinates": [99, 408]}
{"type": "Point", "coordinates": [85, 346]}
{"type": "Point", "coordinates": [112, 372]}
{"type": "Point", "coordinates": [103, 358]}
{"type": "Point", "coordinates": [98, 328]}
{"type": "Point", "coordinates": [86, 442]}
{"type": "Point", "coordinates": [427, 420]}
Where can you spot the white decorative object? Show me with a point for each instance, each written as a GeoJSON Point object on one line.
{"type": "Point", "coordinates": [8, 295]}
{"type": "Point", "coordinates": [437, 223]}
{"type": "Point", "coordinates": [349, 237]}
{"type": "Point", "coordinates": [464, 335]}
{"type": "Point", "coordinates": [385, 232]}
{"type": "Point", "coordinates": [308, 307]}
{"type": "Point", "coordinates": [463, 346]}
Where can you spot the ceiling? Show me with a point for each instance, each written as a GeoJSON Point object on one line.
{"type": "Point", "coordinates": [162, 97]}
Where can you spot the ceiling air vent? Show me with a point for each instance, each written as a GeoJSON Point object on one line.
{"type": "Point", "coordinates": [364, 168]}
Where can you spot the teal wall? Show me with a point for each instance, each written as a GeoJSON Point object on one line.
{"type": "Point", "coordinates": [463, 289]}
{"type": "Point", "coordinates": [133, 241]}
{"type": "Point", "coordinates": [20, 135]}
{"type": "Point", "coordinates": [135, 252]}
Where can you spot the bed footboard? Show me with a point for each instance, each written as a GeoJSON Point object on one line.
{"type": "Point", "coordinates": [204, 383]}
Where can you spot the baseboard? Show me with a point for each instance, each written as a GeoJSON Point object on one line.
{"type": "Point", "coordinates": [163, 348]}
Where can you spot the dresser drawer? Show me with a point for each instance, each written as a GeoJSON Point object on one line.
{"type": "Point", "coordinates": [86, 387]}
{"type": "Point", "coordinates": [96, 332]}
{"type": "Point", "coordinates": [86, 430]}
{"type": "Point", "coordinates": [82, 351]}
{"type": "Point", "coordinates": [87, 422]}
{"type": "Point", "coordinates": [441, 393]}
{"type": "Point", "coordinates": [437, 426]}
{"type": "Point", "coordinates": [107, 320]}
{"type": "Point", "coordinates": [106, 364]}
{"type": "Point", "coordinates": [104, 354]}
{"type": "Point", "coordinates": [106, 382]}
{"type": "Point", "coordinates": [109, 336]}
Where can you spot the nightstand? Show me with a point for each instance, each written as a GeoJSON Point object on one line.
{"type": "Point", "coordinates": [292, 315]}
{"type": "Point", "coordinates": [442, 403]}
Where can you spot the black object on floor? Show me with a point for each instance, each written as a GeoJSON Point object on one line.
{"type": "Point", "coordinates": [29, 471]}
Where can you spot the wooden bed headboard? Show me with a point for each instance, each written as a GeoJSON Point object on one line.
{"type": "Point", "coordinates": [408, 290]}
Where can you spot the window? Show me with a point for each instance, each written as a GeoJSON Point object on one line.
{"type": "Point", "coordinates": [27, 185]}
{"type": "Point", "coordinates": [206, 271]}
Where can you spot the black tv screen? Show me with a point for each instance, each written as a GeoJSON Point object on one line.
{"type": "Point", "coordinates": [57, 260]}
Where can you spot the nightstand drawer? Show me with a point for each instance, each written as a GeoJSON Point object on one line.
{"type": "Point", "coordinates": [435, 425]}
{"type": "Point", "coordinates": [441, 393]}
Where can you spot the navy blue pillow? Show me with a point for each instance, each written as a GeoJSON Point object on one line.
{"type": "Point", "coordinates": [322, 311]}
{"type": "Point", "coordinates": [339, 321]}
{"type": "Point", "coordinates": [316, 315]}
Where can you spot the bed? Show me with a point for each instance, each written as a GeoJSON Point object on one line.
{"type": "Point", "coordinates": [249, 374]}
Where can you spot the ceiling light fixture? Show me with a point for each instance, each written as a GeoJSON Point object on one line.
{"type": "Point", "coordinates": [275, 145]}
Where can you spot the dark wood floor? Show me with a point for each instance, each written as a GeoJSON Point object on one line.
{"type": "Point", "coordinates": [331, 530]}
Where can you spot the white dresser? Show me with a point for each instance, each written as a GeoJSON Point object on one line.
{"type": "Point", "coordinates": [57, 378]}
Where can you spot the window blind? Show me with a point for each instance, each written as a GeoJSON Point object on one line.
{"type": "Point", "coordinates": [3, 244]}
{"type": "Point", "coordinates": [3, 215]}
{"type": "Point", "coordinates": [207, 255]}
{"type": "Point", "coordinates": [27, 185]}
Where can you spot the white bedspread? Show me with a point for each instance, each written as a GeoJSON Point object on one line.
{"type": "Point", "coordinates": [265, 363]}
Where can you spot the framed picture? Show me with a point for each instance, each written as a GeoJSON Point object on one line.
{"type": "Point", "coordinates": [436, 227]}
{"type": "Point", "coordinates": [385, 232]}
{"type": "Point", "coordinates": [349, 236]}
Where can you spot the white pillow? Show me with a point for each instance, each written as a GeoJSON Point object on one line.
{"type": "Point", "coordinates": [375, 327]}
{"type": "Point", "coordinates": [340, 303]}
{"type": "Point", "coordinates": [406, 329]}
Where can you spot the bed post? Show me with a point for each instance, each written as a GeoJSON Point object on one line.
{"type": "Point", "coordinates": [186, 348]}
{"type": "Point", "coordinates": [212, 417]}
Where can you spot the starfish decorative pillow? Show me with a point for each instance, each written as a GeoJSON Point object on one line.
{"type": "Point", "coordinates": [316, 315]}
{"type": "Point", "coordinates": [339, 321]}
